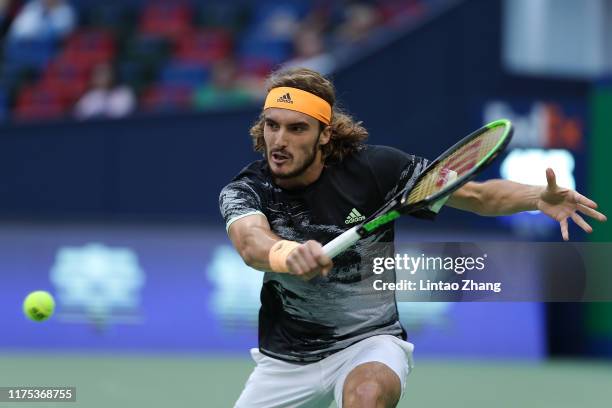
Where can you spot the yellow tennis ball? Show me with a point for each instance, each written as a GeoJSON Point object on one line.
{"type": "Point", "coordinates": [39, 305]}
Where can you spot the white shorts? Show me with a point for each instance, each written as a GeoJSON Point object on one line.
{"type": "Point", "coordinates": [275, 383]}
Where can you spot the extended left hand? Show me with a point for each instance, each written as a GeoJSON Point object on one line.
{"type": "Point", "coordinates": [562, 203]}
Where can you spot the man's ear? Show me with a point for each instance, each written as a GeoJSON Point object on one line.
{"type": "Point", "coordinates": [325, 136]}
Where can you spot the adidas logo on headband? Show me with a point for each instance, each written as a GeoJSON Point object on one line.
{"type": "Point", "coordinates": [285, 98]}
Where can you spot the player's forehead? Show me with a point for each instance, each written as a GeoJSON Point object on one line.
{"type": "Point", "coordinates": [286, 116]}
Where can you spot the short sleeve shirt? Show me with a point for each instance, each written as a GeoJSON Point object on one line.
{"type": "Point", "coordinates": [303, 321]}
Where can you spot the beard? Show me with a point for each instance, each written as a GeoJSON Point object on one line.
{"type": "Point", "coordinates": [310, 157]}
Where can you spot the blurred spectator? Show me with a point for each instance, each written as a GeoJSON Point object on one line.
{"type": "Point", "coordinates": [224, 90]}
{"type": "Point", "coordinates": [360, 19]}
{"type": "Point", "coordinates": [281, 23]}
{"type": "Point", "coordinates": [43, 20]}
{"type": "Point", "coordinates": [308, 43]}
{"type": "Point", "coordinates": [309, 51]}
{"type": "Point", "coordinates": [104, 98]}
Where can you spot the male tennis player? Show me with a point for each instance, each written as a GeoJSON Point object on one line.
{"type": "Point", "coordinates": [323, 332]}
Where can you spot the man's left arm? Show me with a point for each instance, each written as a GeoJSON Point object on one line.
{"type": "Point", "coordinates": [503, 197]}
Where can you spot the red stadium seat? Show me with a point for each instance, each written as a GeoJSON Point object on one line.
{"type": "Point", "coordinates": [259, 67]}
{"type": "Point", "coordinates": [167, 98]}
{"type": "Point", "coordinates": [66, 80]}
{"type": "Point", "coordinates": [34, 112]}
{"type": "Point", "coordinates": [35, 102]}
{"type": "Point", "coordinates": [170, 19]}
{"type": "Point", "coordinates": [394, 11]}
{"type": "Point", "coordinates": [204, 46]}
{"type": "Point", "coordinates": [67, 77]}
{"type": "Point", "coordinates": [65, 72]}
{"type": "Point", "coordinates": [89, 47]}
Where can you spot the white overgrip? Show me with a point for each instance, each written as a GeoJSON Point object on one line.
{"type": "Point", "coordinates": [341, 242]}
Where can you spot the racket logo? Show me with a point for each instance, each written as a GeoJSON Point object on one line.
{"type": "Point", "coordinates": [286, 98]}
{"type": "Point", "coordinates": [443, 176]}
{"type": "Point", "coordinates": [466, 159]}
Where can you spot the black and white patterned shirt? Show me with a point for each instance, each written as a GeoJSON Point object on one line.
{"type": "Point", "coordinates": [308, 321]}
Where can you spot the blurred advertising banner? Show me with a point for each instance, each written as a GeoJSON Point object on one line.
{"type": "Point", "coordinates": [548, 132]}
{"type": "Point", "coordinates": [545, 124]}
{"type": "Point", "coordinates": [185, 289]}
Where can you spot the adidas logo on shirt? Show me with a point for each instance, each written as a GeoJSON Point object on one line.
{"type": "Point", "coordinates": [285, 98]}
{"type": "Point", "coordinates": [354, 216]}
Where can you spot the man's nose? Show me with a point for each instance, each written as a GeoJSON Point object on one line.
{"type": "Point", "coordinates": [281, 138]}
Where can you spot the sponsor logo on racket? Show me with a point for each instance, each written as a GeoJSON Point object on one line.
{"type": "Point", "coordinates": [443, 177]}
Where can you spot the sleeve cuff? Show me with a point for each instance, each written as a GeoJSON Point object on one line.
{"type": "Point", "coordinates": [236, 218]}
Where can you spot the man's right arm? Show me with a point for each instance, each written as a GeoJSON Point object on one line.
{"type": "Point", "coordinates": [253, 239]}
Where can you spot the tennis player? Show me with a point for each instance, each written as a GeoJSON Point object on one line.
{"type": "Point", "coordinates": [324, 334]}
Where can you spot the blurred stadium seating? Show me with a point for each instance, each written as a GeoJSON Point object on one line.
{"type": "Point", "coordinates": [165, 49]}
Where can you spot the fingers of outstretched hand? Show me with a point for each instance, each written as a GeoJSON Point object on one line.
{"type": "Point", "coordinates": [592, 213]}
{"type": "Point", "coordinates": [580, 199]}
{"type": "Point", "coordinates": [564, 229]}
{"type": "Point", "coordinates": [551, 179]}
{"type": "Point", "coordinates": [581, 223]}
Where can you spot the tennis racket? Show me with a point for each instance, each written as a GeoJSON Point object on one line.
{"type": "Point", "coordinates": [455, 167]}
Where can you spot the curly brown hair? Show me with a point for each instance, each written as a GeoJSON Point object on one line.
{"type": "Point", "coordinates": [347, 135]}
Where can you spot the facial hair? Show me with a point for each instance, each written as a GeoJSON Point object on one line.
{"type": "Point", "coordinates": [300, 170]}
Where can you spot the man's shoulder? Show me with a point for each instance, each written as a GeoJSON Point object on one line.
{"type": "Point", "coordinates": [250, 185]}
{"type": "Point", "coordinates": [254, 175]}
{"type": "Point", "coordinates": [378, 155]}
{"type": "Point", "coordinates": [255, 171]}
{"type": "Point", "coordinates": [381, 151]}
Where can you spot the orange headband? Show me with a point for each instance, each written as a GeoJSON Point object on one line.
{"type": "Point", "coordinates": [297, 100]}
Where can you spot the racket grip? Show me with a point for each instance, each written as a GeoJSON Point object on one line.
{"type": "Point", "coordinates": [341, 242]}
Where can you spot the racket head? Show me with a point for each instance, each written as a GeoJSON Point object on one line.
{"type": "Point", "coordinates": [466, 158]}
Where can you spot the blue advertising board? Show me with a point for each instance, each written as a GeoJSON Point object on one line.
{"type": "Point", "coordinates": [138, 288]}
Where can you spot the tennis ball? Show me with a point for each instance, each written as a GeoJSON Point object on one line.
{"type": "Point", "coordinates": [39, 305]}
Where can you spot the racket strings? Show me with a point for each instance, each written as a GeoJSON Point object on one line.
{"type": "Point", "coordinates": [460, 161]}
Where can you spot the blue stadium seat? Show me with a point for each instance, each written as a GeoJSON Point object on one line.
{"type": "Point", "coordinates": [184, 74]}
{"type": "Point", "coordinates": [273, 50]}
{"type": "Point", "coordinates": [35, 54]}
{"type": "Point", "coordinates": [297, 8]}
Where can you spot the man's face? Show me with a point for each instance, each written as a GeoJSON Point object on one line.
{"type": "Point", "coordinates": [292, 142]}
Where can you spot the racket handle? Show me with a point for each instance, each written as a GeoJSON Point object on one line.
{"type": "Point", "coordinates": [341, 242]}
